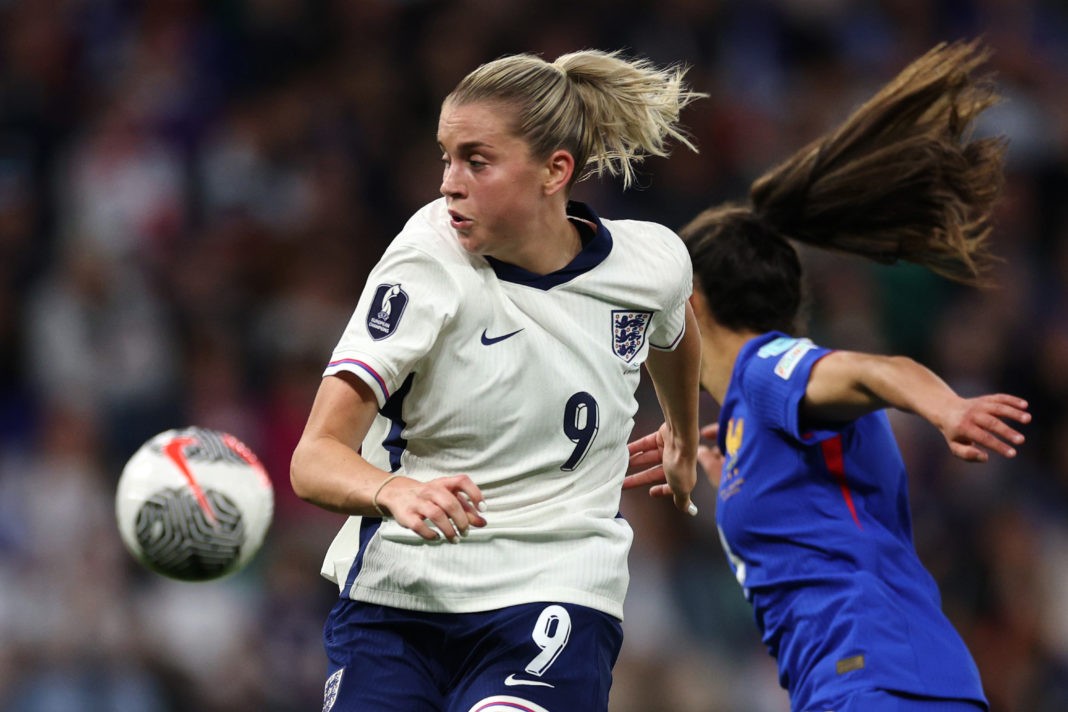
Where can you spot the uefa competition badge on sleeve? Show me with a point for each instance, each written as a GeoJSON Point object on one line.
{"type": "Point", "coordinates": [386, 310]}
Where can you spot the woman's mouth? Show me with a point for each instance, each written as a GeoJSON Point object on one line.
{"type": "Point", "coordinates": [459, 222]}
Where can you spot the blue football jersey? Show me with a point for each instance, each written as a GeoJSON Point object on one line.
{"type": "Point", "coordinates": [815, 523]}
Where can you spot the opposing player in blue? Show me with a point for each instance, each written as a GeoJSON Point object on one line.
{"type": "Point", "coordinates": [474, 416]}
{"type": "Point", "coordinates": [812, 499]}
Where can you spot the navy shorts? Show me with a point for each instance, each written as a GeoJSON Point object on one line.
{"type": "Point", "coordinates": [536, 657]}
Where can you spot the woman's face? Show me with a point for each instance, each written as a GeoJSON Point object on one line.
{"type": "Point", "coordinates": [491, 183]}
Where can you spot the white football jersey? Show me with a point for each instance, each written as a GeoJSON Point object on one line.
{"type": "Point", "coordinates": [526, 384]}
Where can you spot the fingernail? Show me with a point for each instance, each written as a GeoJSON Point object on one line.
{"type": "Point", "coordinates": [482, 505]}
{"type": "Point", "coordinates": [691, 509]}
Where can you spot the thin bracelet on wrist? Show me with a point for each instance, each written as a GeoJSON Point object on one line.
{"type": "Point", "coordinates": [374, 500]}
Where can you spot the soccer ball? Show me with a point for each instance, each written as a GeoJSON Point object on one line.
{"type": "Point", "coordinates": [194, 504]}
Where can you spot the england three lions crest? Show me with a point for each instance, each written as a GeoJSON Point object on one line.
{"type": "Point", "coordinates": [628, 332]}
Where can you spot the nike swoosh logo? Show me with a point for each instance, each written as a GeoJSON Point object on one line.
{"type": "Point", "coordinates": [512, 680]}
{"type": "Point", "coordinates": [490, 340]}
{"type": "Point", "coordinates": [175, 450]}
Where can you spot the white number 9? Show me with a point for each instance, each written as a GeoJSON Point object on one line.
{"type": "Point", "coordinates": [551, 633]}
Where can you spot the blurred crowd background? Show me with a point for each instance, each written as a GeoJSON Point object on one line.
{"type": "Point", "coordinates": [192, 193]}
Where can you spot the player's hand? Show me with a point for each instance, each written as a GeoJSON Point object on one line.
{"type": "Point", "coordinates": [679, 463]}
{"type": "Point", "coordinates": [709, 457]}
{"type": "Point", "coordinates": [973, 427]}
{"type": "Point", "coordinates": [449, 505]}
{"type": "Point", "coordinates": [645, 467]}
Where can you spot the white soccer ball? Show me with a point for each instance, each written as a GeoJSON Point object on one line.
{"type": "Point", "coordinates": [194, 504]}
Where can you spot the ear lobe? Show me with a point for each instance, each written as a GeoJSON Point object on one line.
{"type": "Point", "coordinates": [560, 166]}
{"type": "Point", "coordinates": [699, 304]}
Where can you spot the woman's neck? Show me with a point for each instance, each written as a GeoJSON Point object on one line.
{"type": "Point", "coordinates": [550, 248]}
{"type": "Point", "coordinates": [719, 352]}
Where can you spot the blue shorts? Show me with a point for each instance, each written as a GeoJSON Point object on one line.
{"type": "Point", "coordinates": [885, 701]}
{"type": "Point", "coordinates": [537, 657]}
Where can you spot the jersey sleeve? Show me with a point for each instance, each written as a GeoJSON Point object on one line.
{"type": "Point", "coordinates": [669, 324]}
{"type": "Point", "coordinates": [407, 300]}
{"type": "Point", "coordinates": [774, 381]}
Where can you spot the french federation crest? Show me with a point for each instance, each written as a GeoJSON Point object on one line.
{"type": "Point", "coordinates": [386, 310]}
{"type": "Point", "coordinates": [628, 332]}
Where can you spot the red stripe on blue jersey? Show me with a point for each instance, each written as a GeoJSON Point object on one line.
{"type": "Point", "coordinates": [832, 455]}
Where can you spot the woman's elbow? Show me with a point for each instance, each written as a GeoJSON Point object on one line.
{"type": "Point", "coordinates": [298, 473]}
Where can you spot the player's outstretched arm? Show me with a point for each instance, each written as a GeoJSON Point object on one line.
{"type": "Point", "coordinates": [845, 385]}
{"type": "Point", "coordinates": [327, 470]}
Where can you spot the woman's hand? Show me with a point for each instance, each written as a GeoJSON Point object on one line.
{"type": "Point", "coordinates": [709, 457]}
{"type": "Point", "coordinates": [974, 426]}
{"type": "Point", "coordinates": [678, 460]}
{"type": "Point", "coordinates": [450, 504]}
{"type": "Point", "coordinates": [646, 464]}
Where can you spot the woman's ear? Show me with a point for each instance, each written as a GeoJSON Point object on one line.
{"type": "Point", "coordinates": [559, 168]}
{"type": "Point", "coordinates": [699, 304]}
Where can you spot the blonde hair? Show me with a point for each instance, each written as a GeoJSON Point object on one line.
{"type": "Point", "coordinates": [608, 112]}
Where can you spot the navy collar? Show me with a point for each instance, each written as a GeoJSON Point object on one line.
{"type": "Point", "coordinates": [596, 246]}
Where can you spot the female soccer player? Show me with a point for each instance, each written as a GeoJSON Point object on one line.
{"type": "Point", "coordinates": [474, 416]}
{"type": "Point", "coordinates": [812, 504]}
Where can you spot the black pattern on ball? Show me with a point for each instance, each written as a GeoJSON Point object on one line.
{"type": "Point", "coordinates": [178, 540]}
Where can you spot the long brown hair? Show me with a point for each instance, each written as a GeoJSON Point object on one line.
{"type": "Point", "coordinates": [900, 179]}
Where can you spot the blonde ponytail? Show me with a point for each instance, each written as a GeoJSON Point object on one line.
{"type": "Point", "coordinates": [608, 112]}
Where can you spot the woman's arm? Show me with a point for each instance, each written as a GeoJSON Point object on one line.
{"type": "Point", "coordinates": [675, 376]}
{"type": "Point", "coordinates": [327, 469]}
{"type": "Point", "coordinates": [844, 385]}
